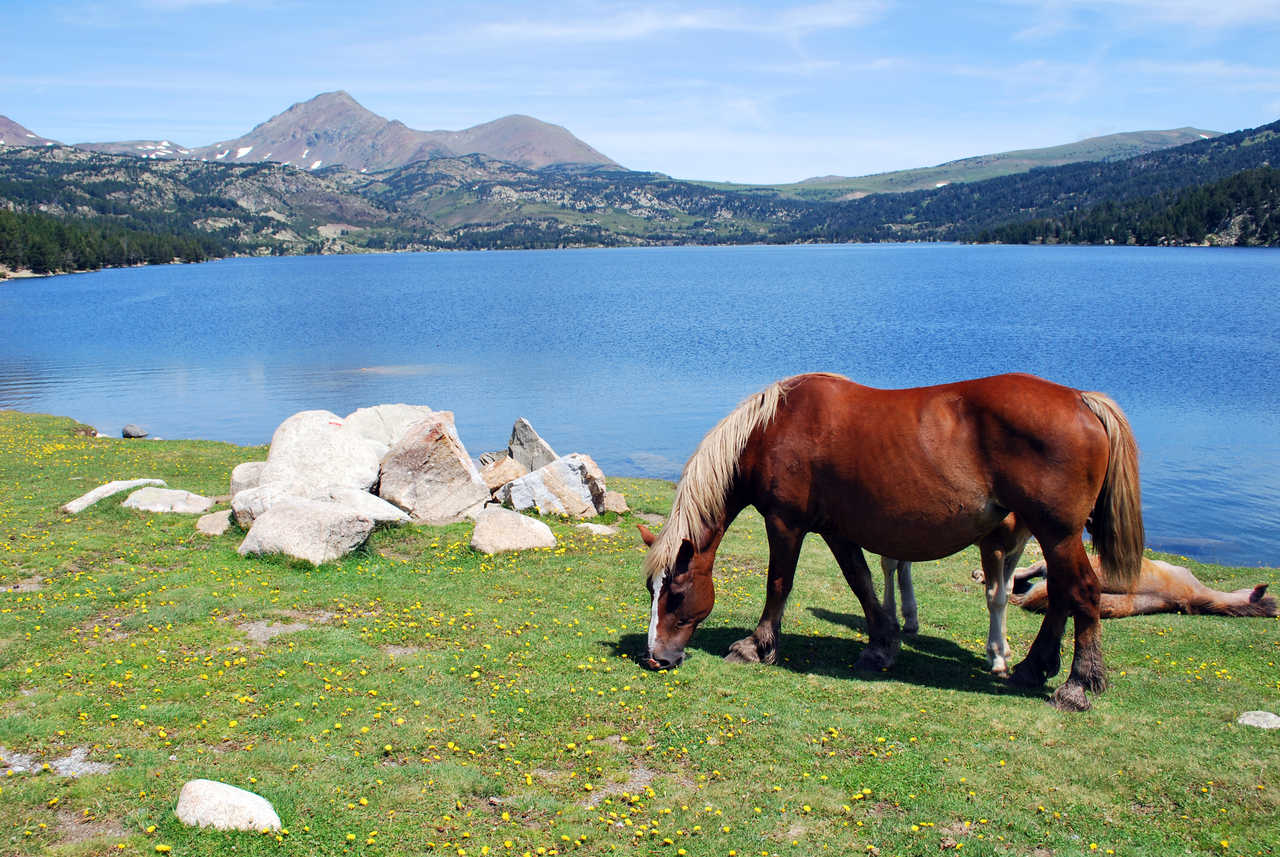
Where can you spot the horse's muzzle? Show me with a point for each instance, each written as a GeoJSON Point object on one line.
{"type": "Point", "coordinates": [661, 663]}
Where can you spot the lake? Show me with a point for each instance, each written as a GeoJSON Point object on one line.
{"type": "Point", "coordinates": [630, 355]}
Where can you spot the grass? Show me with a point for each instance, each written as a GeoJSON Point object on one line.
{"type": "Point", "coordinates": [442, 702]}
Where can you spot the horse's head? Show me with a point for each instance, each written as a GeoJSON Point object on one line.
{"type": "Point", "coordinates": [682, 596]}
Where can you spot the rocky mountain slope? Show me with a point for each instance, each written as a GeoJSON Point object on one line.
{"type": "Point", "coordinates": [13, 134]}
{"type": "Point", "coordinates": [334, 129]}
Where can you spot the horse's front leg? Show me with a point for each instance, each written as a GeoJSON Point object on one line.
{"type": "Point", "coordinates": [784, 551]}
{"type": "Point", "coordinates": [881, 627]}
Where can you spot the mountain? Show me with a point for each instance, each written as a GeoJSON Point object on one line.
{"type": "Point", "coordinates": [335, 129]}
{"type": "Point", "coordinates": [1112, 147]}
{"type": "Point", "coordinates": [13, 134]}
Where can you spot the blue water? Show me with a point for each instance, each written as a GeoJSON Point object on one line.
{"type": "Point", "coordinates": [631, 355]}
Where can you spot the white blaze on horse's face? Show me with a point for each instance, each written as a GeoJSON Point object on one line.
{"type": "Point", "coordinates": [653, 610]}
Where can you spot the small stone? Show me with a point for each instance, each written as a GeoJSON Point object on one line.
{"type": "Point", "coordinates": [500, 530]}
{"type": "Point", "coordinates": [614, 502]}
{"type": "Point", "coordinates": [1260, 719]}
{"type": "Point", "coordinates": [215, 523]}
{"type": "Point", "coordinates": [208, 803]}
{"type": "Point", "coordinates": [167, 500]}
{"type": "Point", "coordinates": [133, 430]}
{"type": "Point", "coordinates": [598, 529]}
{"type": "Point", "coordinates": [84, 501]}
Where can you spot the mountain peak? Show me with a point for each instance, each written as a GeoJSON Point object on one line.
{"type": "Point", "coordinates": [13, 134]}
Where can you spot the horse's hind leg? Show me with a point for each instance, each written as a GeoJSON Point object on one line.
{"type": "Point", "coordinates": [1000, 553]}
{"type": "Point", "coordinates": [901, 569]}
{"type": "Point", "coordinates": [1073, 586]}
{"type": "Point", "coordinates": [881, 627]}
{"type": "Point", "coordinates": [784, 551]}
{"type": "Point", "coordinates": [910, 611]}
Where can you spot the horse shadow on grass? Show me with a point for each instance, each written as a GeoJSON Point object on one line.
{"type": "Point", "coordinates": [923, 660]}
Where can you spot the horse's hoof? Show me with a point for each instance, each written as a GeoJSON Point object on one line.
{"type": "Point", "coordinates": [743, 652]}
{"type": "Point", "coordinates": [1070, 697]}
{"type": "Point", "coordinates": [911, 628]}
{"type": "Point", "coordinates": [1001, 671]}
{"type": "Point", "coordinates": [1027, 677]}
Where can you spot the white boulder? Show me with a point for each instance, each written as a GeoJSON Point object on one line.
{"type": "Point", "coordinates": [386, 424]}
{"type": "Point", "coordinates": [209, 803]}
{"type": "Point", "coordinates": [429, 474]}
{"type": "Point", "coordinates": [527, 446]}
{"type": "Point", "coordinates": [245, 476]}
{"type": "Point", "coordinates": [84, 501]}
{"type": "Point", "coordinates": [572, 485]}
{"type": "Point", "coordinates": [363, 503]}
{"type": "Point", "coordinates": [312, 450]}
{"type": "Point", "coordinates": [500, 530]}
{"type": "Point", "coordinates": [152, 499]}
{"type": "Point", "coordinates": [307, 529]}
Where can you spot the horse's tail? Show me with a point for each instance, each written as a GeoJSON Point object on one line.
{"type": "Point", "coordinates": [1116, 527]}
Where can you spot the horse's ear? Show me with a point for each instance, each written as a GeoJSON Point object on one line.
{"type": "Point", "coordinates": [646, 535]}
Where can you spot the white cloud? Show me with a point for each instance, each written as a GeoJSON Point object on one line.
{"type": "Point", "coordinates": [1060, 15]}
{"type": "Point", "coordinates": [644, 21]}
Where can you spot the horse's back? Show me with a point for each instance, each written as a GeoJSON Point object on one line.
{"type": "Point", "coordinates": [921, 472]}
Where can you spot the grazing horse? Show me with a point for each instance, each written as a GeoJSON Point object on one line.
{"type": "Point", "coordinates": [916, 474]}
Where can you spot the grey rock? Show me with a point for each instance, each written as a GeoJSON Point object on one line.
{"type": "Point", "coordinates": [429, 474]}
{"type": "Point", "coordinates": [501, 530]}
{"type": "Point", "coordinates": [487, 458]}
{"type": "Point", "coordinates": [1260, 719]}
{"type": "Point", "coordinates": [245, 476]}
{"type": "Point", "coordinates": [153, 499]}
{"type": "Point", "coordinates": [307, 529]}
{"type": "Point", "coordinates": [572, 485]}
{"type": "Point", "coordinates": [209, 803]}
{"type": "Point", "coordinates": [528, 448]}
{"type": "Point", "coordinates": [133, 430]}
{"type": "Point", "coordinates": [215, 523]}
{"type": "Point", "coordinates": [84, 501]}
{"type": "Point", "coordinates": [312, 450]}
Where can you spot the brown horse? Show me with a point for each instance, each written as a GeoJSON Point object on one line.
{"type": "Point", "coordinates": [915, 474]}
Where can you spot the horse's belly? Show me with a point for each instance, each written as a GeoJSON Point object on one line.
{"type": "Point", "coordinates": [924, 532]}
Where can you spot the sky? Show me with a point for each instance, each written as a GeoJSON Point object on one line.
{"type": "Point", "coordinates": [728, 91]}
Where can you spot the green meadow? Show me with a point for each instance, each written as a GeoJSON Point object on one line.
{"type": "Point", "coordinates": [418, 698]}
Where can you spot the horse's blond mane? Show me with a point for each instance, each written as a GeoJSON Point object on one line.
{"type": "Point", "coordinates": [707, 477]}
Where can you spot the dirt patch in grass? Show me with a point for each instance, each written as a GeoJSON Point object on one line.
{"type": "Point", "coordinates": [400, 651]}
{"type": "Point", "coordinates": [31, 584]}
{"type": "Point", "coordinates": [80, 827]}
{"type": "Point", "coordinates": [262, 631]}
{"type": "Point", "coordinates": [640, 778]}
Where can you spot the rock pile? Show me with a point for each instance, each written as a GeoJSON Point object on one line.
{"type": "Point", "coordinates": [328, 481]}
